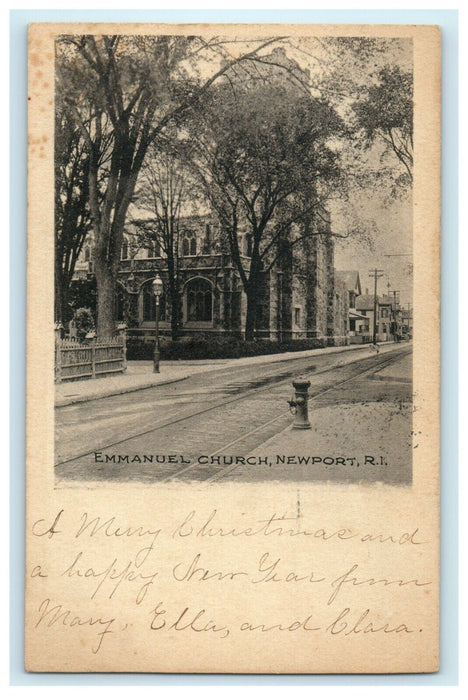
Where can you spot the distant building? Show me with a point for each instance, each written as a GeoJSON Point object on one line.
{"type": "Point", "coordinates": [365, 309]}
{"type": "Point", "coordinates": [352, 283]}
{"type": "Point", "coordinates": [407, 323]}
{"type": "Point", "coordinates": [387, 326]}
{"type": "Point", "coordinates": [388, 317]}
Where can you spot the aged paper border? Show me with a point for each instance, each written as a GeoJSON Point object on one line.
{"type": "Point", "coordinates": [427, 486]}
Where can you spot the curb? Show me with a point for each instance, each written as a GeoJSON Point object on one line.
{"type": "Point", "coordinates": [60, 403]}
{"type": "Point", "coordinates": [285, 357]}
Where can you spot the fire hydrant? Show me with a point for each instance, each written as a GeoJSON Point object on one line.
{"type": "Point", "coordinates": [300, 403]}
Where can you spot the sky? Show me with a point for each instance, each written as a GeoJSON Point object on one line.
{"type": "Point", "coordinates": [385, 220]}
{"type": "Point", "coordinates": [390, 248]}
{"type": "Point", "coordinates": [387, 256]}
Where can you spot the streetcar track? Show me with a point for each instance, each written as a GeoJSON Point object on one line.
{"type": "Point", "coordinates": [240, 397]}
{"type": "Point", "coordinates": [226, 470]}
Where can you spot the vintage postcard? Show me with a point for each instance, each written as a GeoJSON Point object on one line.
{"type": "Point", "coordinates": [233, 348]}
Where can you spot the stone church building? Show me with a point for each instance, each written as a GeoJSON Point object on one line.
{"type": "Point", "coordinates": [303, 297]}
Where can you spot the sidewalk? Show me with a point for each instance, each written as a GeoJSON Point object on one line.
{"type": "Point", "coordinates": [139, 374]}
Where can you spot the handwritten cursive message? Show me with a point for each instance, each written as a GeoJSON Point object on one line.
{"type": "Point", "coordinates": [176, 577]}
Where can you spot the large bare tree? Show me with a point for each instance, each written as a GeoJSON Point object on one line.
{"type": "Point", "coordinates": [166, 194]}
{"type": "Point", "coordinates": [122, 92]}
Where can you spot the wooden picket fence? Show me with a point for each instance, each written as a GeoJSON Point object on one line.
{"type": "Point", "coordinates": [86, 360]}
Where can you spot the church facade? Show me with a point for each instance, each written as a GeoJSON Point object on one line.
{"type": "Point", "coordinates": [303, 297]}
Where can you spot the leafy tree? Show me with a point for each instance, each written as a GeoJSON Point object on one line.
{"type": "Point", "coordinates": [84, 322]}
{"type": "Point", "coordinates": [82, 293]}
{"type": "Point", "coordinates": [121, 93]}
{"type": "Point", "coordinates": [385, 113]}
{"type": "Point", "coordinates": [263, 152]}
{"type": "Point", "coordinates": [72, 216]}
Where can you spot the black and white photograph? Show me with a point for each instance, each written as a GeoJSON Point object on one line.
{"type": "Point", "coordinates": [233, 348]}
{"type": "Point", "coordinates": [233, 259]}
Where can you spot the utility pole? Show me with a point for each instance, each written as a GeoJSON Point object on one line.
{"type": "Point", "coordinates": [394, 311]}
{"type": "Point", "coordinates": [376, 274]}
{"type": "Point", "coordinates": [394, 292]}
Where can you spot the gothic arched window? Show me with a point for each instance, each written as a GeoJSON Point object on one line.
{"type": "Point", "coordinates": [199, 300]}
{"type": "Point", "coordinates": [189, 244]}
{"type": "Point", "coordinates": [154, 249]}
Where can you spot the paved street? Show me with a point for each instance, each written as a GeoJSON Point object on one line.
{"type": "Point", "coordinates": [361, 432]}
{"type": "Point", "coordinates": [192, 429]}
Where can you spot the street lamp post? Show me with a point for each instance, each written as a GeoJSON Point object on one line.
{"type": "Point", "coordinates": [157, 291]}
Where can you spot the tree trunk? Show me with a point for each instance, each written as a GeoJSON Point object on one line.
{"type": "Point", "coordinates": [250, 321]}
{"type": "Point", "coordinates": [175, 314]}
{"type": "Point", "coordinates": [174, 294]}
{"type": "Point", "coordinates": [62, 288]}
{"type": "Point", "coordinates": [58, 300]}
{"type": "Point", "coordinates": [175, 310]}
{"type": "Point", "coordinates": [251, 288]}
{"type": "Point", "coordinates": [109, 237]}
{"type": "Point", "coordinates": [106, 291]}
